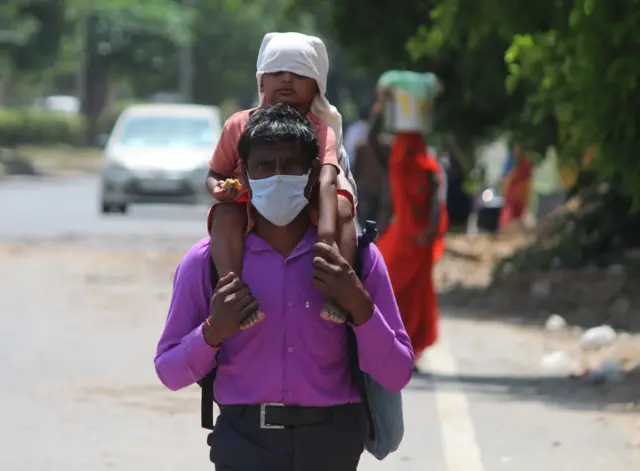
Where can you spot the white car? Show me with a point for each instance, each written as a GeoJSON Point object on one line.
{"type": "Point", "coordinates": [158, 153]}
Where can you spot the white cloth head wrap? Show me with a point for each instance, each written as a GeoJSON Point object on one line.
{"type": "Point", "coordinates": [303, 55]}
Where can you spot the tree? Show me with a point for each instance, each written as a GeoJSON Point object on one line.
{"type": "Point", "coordinates": [227, 36]}
{"type": "Point", "coordinates": [123, 38]}
{"type": "Point", "coordinates": [576, 61]}
{"type": "Point", "coordinates": [30, 33]}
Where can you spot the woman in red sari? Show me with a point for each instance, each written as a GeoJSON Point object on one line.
{"type": "Point", "coordinates": [414, 240]}
{"type": "Point", "coordinates": [517, 187]}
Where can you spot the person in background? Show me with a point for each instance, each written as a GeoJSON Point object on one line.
{"type": "Point", "coordinates": [369, 170]}
{"type": "Point", "coordinates": [444, 164]}
{"type": "Point", "coordinates": [372, 166]}
{"type": "Point", "coordinates": [517, 175]}
{"type": "Point", "coordinates": [356, 135]}
{"type": "Point", "coordinates": [414, 240]}
{"type": "Point", "coordinates": [284, 385]}
{"type": "Point", "coordinates": [459, 203]}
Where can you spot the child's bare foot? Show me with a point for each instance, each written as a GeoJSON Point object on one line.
{"type": "Point", "coordinates": [252, 320]}
{"type": "Point", "coordinates": [333, 312]}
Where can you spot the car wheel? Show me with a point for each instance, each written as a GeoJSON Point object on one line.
{"type": "Point", "coordinates": [114, 208]}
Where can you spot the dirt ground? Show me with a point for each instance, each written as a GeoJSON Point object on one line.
{"type": "Point", "coordinates": [51, 160]}
{"type": "Point", "coordinates": [585, 297]}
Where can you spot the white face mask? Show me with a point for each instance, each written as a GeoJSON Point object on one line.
{"type": "Point", "coordinates": [279, 198]}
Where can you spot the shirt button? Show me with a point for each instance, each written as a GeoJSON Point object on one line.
{"type": "Point", "coordinates": [290, 350]}
{"type": "Point", "coordinates": [290, 304]}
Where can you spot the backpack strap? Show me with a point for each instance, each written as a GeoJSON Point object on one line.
{"type": "Point", "coordinates": [367, 237]}
{"type": "Point", "coordinates": [207, 400]}
{"type": "Point", "coordinates": [207, 397]}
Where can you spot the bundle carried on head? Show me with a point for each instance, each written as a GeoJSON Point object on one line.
{"type": "Point", "coordinates": [412, 95]}
{"type": "Point", "coordinates": [421, 85]}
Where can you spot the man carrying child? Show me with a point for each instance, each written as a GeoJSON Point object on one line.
{"type": "Point", "coordinates": [288, 401]}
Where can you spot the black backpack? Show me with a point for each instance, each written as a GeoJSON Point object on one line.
{"type": "Point", "coordinates": [368, 235]}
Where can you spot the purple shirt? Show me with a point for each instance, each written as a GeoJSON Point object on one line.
{"type": "Point", "coordinates": [293, 356]}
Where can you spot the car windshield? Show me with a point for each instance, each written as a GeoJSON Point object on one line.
{"type": "Point", "coordinates": [165, 131]}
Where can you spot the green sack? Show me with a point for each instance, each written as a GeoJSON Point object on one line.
{"type": "Point", "coordinates": [419, 85]}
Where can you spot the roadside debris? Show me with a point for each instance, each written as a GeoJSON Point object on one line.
{"type": "Point", "coordinates": [608, 372]}
{"type": "Point", "coordinates": [555, 323]}
{"type": "Point", "coordinates": [597, 356]}
{"type": "Point", "coordinates": [598, 337]}
{"type": "Point", "coordinates": [560, 363]}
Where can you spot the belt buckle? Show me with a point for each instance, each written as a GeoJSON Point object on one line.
{"type": "Point", "coordinates": [263, 416]}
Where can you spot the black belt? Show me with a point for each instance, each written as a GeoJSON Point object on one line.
{"type": "Point", "coordinates": [279, 416]}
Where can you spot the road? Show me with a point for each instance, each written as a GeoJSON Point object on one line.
{"type": "Point", "coordinates": [67, 209]}
{"type": "Point", "coordinates": [82, 305]}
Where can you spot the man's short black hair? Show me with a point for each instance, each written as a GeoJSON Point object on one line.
{"type": "Point", "coordinates": [278, 123]}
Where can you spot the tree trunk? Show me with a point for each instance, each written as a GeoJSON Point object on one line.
{"type": "Point", "coordinates": [96, 96]}
{"type": "Point", "coordinates": [95, 81]}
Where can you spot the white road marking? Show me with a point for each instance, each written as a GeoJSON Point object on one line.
{"type": "Point", "coordinates": [460, 447]}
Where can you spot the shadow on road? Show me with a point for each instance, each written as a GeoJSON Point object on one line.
{"type": "Point", "coordinates": [561, 391]}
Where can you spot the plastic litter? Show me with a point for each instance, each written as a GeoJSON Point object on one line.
{"type": "Point", "coordinates": [555, 323]}
{"type": "Point", "coordinates": [559, 363]}
{"type": "Point", "coordinates": [607, 372]}
{"type": "Point", "coordinates": [598, 337]}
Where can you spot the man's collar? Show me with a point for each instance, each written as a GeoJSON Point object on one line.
{"type": "Point", "coordinates": [253, 243]}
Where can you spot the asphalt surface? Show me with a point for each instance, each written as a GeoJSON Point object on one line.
{"type": "Point", "coordinates": [78, 390]}
{"type": "Point", "coordinates": [66, 210]}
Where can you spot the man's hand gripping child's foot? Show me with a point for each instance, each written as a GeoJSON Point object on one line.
{"type": "Point", "coordinates": [330, 268]}
{"type": "Point", "coordinates": [333, 312]}
{"type": "Point", "coordinates": [227, 246]}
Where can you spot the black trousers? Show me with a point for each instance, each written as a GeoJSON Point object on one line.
{"type": "Point", "coordinates": [238, 443]}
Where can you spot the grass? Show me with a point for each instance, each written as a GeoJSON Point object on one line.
{"type": "Point", "coordinates": [62, 159]}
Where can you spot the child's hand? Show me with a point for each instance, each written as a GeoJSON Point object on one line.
{"type": "Point", "coordinates": [225, 193]}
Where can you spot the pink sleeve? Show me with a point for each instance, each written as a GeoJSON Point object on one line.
{"type": "Point", "coordinates": [327, 145]}
{"type": "Point", "coordinates": [225, 158]}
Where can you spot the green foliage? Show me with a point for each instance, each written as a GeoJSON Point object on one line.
{"type": "Point", "coordinates": [588, 75]}
{"type": "Point", "coordinates": [133, 37]}
{"type": "Point", "coordinates": [31, 32]}
{"type": "Point", "coordinates": [20, 126]}
{"type": "Point", "coordinates": [227, 36]}
{"type": "Point", "coordinates": [575, 62]}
